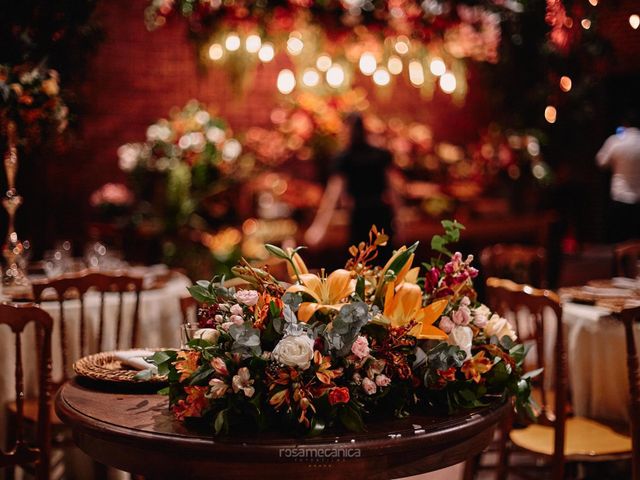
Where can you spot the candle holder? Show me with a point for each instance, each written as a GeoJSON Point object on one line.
{"type": "Point", "coordinates": [15, 283]}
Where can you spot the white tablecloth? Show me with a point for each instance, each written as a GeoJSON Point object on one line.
{"type": "Point", "coordinates": [159, 326]}
{"type": "Point", "coordinates": [597, 357]}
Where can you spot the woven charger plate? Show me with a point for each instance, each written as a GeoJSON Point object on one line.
{"type": "Point", "coordinates": [105, 367]}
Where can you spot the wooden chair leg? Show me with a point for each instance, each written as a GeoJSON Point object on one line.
{"type": "Point", "coordinates": [471, 467]}
{"type": "Point", "coordinates": [502, 467]}
{"type": "Point", "coordinates": [10, 471]}
{"type": "Point", "coordinates": [634, 390]}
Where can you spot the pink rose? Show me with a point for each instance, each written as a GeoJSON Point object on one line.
{"type": "Point", "coordinates": [462, 316]}
{"type": "Point", "coordinates": [369, 386]}
{"type": "Point", "coordinates": [236, 319]}
{"type": "Point", "coordinates": [247, 297]}
{"type": "Point", "coordinates": [226, 326]}
{"type": "Point", "coordinates": [236, 310]}
{"type": "Point", "coordinates": [446, 324]}
{"type": "Point", "coordinates": [218, 318]}
{"type": "Point", "coordinates": [382, 380]}
{"type": "Point", "coordinates": [360, 347]}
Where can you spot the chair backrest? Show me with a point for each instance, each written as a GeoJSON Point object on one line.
{"type": "Point", "coordinates": [520, 263]}
{"type": "Point", "coordinates": [76, 285]}
{"type": "Point", "coordinates": [504, 297]}
{"type": "Point", "coordinates": [17, 317]}
{"type": "Point", "coordinates": [626, 256]}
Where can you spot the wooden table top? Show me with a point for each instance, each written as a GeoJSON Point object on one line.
{"type": "Point", "coordinates": [136, 432]}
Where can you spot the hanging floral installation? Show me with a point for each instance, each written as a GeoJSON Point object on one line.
{"type": "Point", "coordinates": [329, 43]}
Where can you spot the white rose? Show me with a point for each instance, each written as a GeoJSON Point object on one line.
{"type": "Point", "coordinates": [462, 337]}
{"type": "Point", "coordinates": [499, 327]}
{"type": "Point", "coordinates": [481, 315]}
{"type": "Point", "coordinates": [209, 334]}
{"type": "Point", "coordinates": [294, 351]}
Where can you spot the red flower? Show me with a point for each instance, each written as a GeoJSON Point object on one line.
{"type": "Point", "coordinates": [339, 395]}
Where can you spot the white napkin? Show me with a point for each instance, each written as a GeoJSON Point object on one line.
{"type": "Point", "coordinates": [136, 359]}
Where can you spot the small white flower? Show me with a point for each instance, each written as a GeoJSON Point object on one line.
{"type": "Point", "coordinates": [499, 327]}
{"type": "Point", "coordinates": [209, 334]}
{"type": "Point", "coordinates": [462, 337]}
{"type": "Point", "coordinates": [242, 381]}
{"type": "Point", "coordinates": [218, 388]}
{"type": "Point", "coordinates": [481, 316]}
{"type": "Point", "coordinates": [294, 351]}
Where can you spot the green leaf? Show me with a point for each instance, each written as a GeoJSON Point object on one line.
{"type": "Point", "coordinates": [438, 243]}
{"type": "Point", "coordinates": [220, 421]}
{"type": "Point", "coordinates": [201, 294]}
{"type": "Point", "coordinates": [351, 419]}
{"type": "Point", "coordinates": [360, 287]}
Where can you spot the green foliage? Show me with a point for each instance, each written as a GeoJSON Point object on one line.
{"type": "Point", "coordinates": [452, 230]}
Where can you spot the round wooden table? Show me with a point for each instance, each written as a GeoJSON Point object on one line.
{"type": "Point", "coordinates": [137, 433]}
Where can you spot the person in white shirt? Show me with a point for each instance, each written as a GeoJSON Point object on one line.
{"type": "Point", "coordinates": [621, 153]}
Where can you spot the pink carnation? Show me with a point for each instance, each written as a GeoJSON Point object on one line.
{"type": "Point", "coordinates": [369, 386]}
{"type": "Point", "coordinates": [382, 380]}
{"type": "Point", "coordinates": [360, 347]}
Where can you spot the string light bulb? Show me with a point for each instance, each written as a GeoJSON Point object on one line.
{"type": "Point", "coordinates": [381, 77]}
{"type": "Point", "coordinates": [565, 83]}
{"type": "Point", "coordinates": [437, 67]}
{"type": "Point", "coordinates": [550, 114]}
{"type": "Point", "coordinates": [335, 76]}
{"type": "Point", "coordinates": [634, 21]}
{"type": "Point", "coordinates": [448, 82]}
{"type": "Point", "coordinates": [402, 46]}
{"type": "Point", "coordinates": [216, 52]}
{"type": "Point", "coordinates": [286, 81]}
{"type": "Point", "coordinates": [295, 45]}
{"type": "Point", "coordinates": [232, 42]}
{"type": "Point", "coordinates": [310, 77]}
{"type": "Point", "coordinates": [253, 43]}
{"type": "Point", "coordinates": [266, 52]}
{"type": "Point", "coordinates": [367, 63]}
{"type": "Point", "coordinates": [394, 64]}
{"type": "Point", "coordinates": [323, 63]}
{"type": "Point", "coordinates": [416, 73]}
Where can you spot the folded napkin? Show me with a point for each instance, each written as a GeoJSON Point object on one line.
{"type": "Point", "coordinates": [136, 359]}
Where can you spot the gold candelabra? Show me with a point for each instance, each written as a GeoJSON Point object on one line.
{"type": "Point", "coordinates": [15, 283]}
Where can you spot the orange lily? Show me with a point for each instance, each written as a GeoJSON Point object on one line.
{"type": "Point", "coordinates": [404, 304]}
{"type": "Point", "coordinates": [299, 263]}
{"type": "Point", "coordinates": [328, 293]}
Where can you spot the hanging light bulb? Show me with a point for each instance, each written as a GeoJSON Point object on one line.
{"type": "Point", "coordinates": [367, 63]}
{"type": "Point", "coordinates": [634, 21]}
{"type": "Point", "coordinates": [286, 81]}
{"type": "Point", "coordinates": [216, 52]}
{"type": "Point", "coordinates": [437, 67]}
{"type": "Point", "coordinates": [550, 114]}
{"type": "Point", "coordinates": [310, 77]}
{"type": "Point", "coordinates": [381, 77]}
{"type": "Point", "coordinates": [232, 42]}
{"type": "Point", "coordinates": [448, 82]}
{"type": "Point", "coordinates": [266, 52]}
{"type": "Point", "coordinates": [335, 76]}
{"type": "Point", "coordinates": [253, 43]}
{"type": "Point", "coordinates": [416, 73]}
{"type": "Point", "coordinates": [323, 62]}
{"type": "Point", "coordinates": [394, 64]}
{"type": "Point", "coordinates": [295, 45]}
{"type": "Point", "coordinates": [402, 45]}
{"type": "Point", "coordinates": [565, 83]}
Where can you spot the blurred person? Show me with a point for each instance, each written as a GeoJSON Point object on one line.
{"type": "Point", "coordinates": [367, 174]}
{"type": "Point", "coordinates": [621, 154]}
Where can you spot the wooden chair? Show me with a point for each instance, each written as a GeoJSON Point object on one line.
{"type": "Point", "coordinates": [626, 256]}
{"type": "Point", "coordinates": [75, 286]}
{"type": "Point", "coordinates": [20, 451]}
{"type": "Point", "coordinates": [558, 437]}
{"type": "Point", "coordinates": [520, 263]}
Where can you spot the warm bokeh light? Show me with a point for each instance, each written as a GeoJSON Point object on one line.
{"type": "Point", "coordinates": [294, 45]}
{"type": "Point", "coordinates": [335, 76]}
{"type": "Point", "coordinates": [448, 82]}
{"type": "Point", "coordinates": [381, 77]}
{"type": "Point", "coordinates": [232, 43]}
{"type": "Point", "coordinates": [323, 63]}
{"type": "Point", "coordinates": [216, 51]}
{"type": "Point", "coordinates": [402, 47]}
{"type": "Point", "coordinates": [437, 67]}
{"type": "Point", "coordinates": [550, 114]}
{"type": "Point", "coordinates": [586, 23]}
{"type": "Point", "coordinates": [416, 73]}
{"type": "Point", "coordinates": [634, 21]}
{"type": "Point", "coordinates": [286, 81]}
{"type": "Point", "coordinates": [593, 2]}
{"type": "Point", "coordinates": [266, 52]}
{"type": "Point", "coordinates": [565, 83]}
{"type": "Point", "coordinates": [394, 65]}
{"type": "Point", "coordinates": [367, 63]}
{"type": "Point", "coordinates": [253, 43]}
{"type": "Point", "coordinates": [310, 77]}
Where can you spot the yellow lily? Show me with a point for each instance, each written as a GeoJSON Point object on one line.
{"type": "Point", "coordinates": [406, 273]}
{"type": "Point", "coordinates": [328, 293]}
{"type": "Point", "coordinates": [404, 304]}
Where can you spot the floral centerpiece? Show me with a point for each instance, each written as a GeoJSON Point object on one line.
{"type": "Point", "coordinates": [335, 350]}
{"type": "Point", "coordinates": [187, 159]}
{"type": "Point", "coordinates": [30, 98]}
